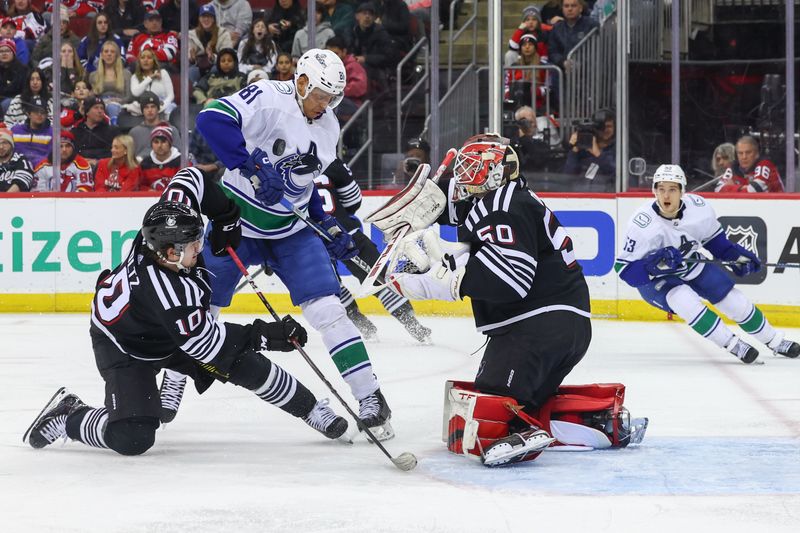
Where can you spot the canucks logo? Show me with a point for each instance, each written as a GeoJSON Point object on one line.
{"type": "Point", "coordinates": [299, 164]}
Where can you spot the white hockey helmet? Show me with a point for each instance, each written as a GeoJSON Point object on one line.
{"type": "Point", "coordinates": [325, 71]}
{"type": "Point", "coordinates": [670, 174]}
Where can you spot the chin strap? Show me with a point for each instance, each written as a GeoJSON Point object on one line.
{"type": "Point", "coordinates": [178, 263]}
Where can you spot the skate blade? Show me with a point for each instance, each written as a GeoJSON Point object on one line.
{"type": "Point", "coordinates": [52, 402]}
{"type": "Point", "coordinates": [346, 437]}
{"type": "Point", "coordinates": [381, 433]}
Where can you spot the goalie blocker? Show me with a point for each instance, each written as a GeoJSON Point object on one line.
{"type": "Point", "coordinates": [498, 430]}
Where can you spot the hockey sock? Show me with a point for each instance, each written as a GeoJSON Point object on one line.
{"type": "Point", "coordinates": [750, 318]}
{"type": "Point", "coordinates": [687, 305]}
{"type": "Point", "coordinates": [344, 343]}
{"type": "Point", "coordinates": [282, 390]}
{"type": "Point", "coordinates": [391, 301]}
{"type": "Point", "coordinates": [87, 425]}
{"type": "Point", "coordinates": [345, 296]}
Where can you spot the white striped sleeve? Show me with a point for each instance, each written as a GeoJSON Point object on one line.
{"type": "Point", "coordinates": [515, 268]}
{"type": "Point", "coordinates": [188, 181]}
{"type": "Point", "coordinates": [205, 340]}
{"type": "Point", "coordinates": [350, 194]}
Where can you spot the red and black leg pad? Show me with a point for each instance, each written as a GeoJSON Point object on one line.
{"type": "Point", "coordinates": [474, 420]}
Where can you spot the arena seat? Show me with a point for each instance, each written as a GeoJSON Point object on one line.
{"type": "Point", "coordinates": [80, 25]}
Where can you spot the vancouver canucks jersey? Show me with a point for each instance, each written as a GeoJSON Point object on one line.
{"type": "Point", "coordinates": [521, 260]}
{"type": "Point", "coordinates": [695, 225]}
{"type": "Point", "coordinates": [266, 115]}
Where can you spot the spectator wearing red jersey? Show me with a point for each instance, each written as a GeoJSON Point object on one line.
{"type": "Point", "coordinates": [164, 43]}
{"type": "Point", "coordinates": [76, 172]}
{"type": "Point", "coordinates": [8, 30]}
{"type": "Point", "coordinates": [30, 24]}
{"type": "Point", "coordinates": [518, 83]}
{"type": "Point", "coordinates": [750, 173]}
{"type": "Point", "coordinates": [531, 24]}
{"type": "Point", "coordinates": [164, 160]}
{"type": "Point", "coordinates": [120, 172]}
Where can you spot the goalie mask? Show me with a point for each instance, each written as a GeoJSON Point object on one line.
{"type": "Point", "coordinates": [483, 164]}
{"type": "Point", "coordinates": [326, 76]}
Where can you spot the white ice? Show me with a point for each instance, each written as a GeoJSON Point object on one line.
{"type": "Point", "coordinates": [721, 453]}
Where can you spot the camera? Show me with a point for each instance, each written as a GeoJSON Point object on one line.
{"type": "Point", "coordinates": [587, 130]}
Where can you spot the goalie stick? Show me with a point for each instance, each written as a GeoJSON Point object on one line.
{"type": "Point", "coordinates": [405, 461]}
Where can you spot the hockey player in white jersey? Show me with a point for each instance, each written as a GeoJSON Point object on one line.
{"type": "Point", "coordinates": [661, 236]}
{"type": "Point", "coordinates": [274, 139]}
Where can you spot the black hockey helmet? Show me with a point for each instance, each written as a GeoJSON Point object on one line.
{"type": "Point", "coordinates": [171, 224]}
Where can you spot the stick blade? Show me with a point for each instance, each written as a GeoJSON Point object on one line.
{"type": "Point", "coordinates": [406, 461]}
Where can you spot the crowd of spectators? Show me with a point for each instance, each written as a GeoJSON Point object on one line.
{"type": "Point", "coordinates": [120, 82]}
{"type": "Point", "coordinates": [120, 77]}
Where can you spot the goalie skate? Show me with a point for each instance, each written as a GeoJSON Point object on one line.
{"type": "Point", "coordinates": [516, 447]}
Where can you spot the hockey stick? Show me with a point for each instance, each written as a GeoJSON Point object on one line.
{"type": "Point", "coordinates": [735, 263]}
{"type": "Point", "coordinates": [405, 461]}
{"type": "Point", "coordinates": [244, 283]}
{"type": "Point", "coordinates": [327, 237]}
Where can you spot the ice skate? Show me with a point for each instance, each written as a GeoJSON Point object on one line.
{"type": "Point", "coordinates": [405, 315]}
{"type": "Point", "coordinates": [742, 350]}
{"type": "Point", "coordinates": [516, 447]}
{"type": "Point", "coordinates": [323, 419]}
{"type": "Point", "coordinates": [171, 392]}
{"type": "Point", "coordinates": [781, 346]}
{"type": "Point", "coordinates": [365, 326]}
{"type": "Point", "coordinates": [375, 413]}
{"type": "Point", "coordinates": [51, 422]}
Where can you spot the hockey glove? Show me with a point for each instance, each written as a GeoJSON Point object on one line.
{"type": "Point", "coordinates": [746, 261]}
{"type": "Point", "coordinates": [441, 282]}
{"type": "Point", "coordinates": [226, 230]}
{"type": "Point", "coordinates": [266, 180]}
{"type": "Point", "coordinates": [342, 247]}
{"type": "Point", "coordinates": [664, 261]}
{"type": "Point", "coordinates": [275, 336]}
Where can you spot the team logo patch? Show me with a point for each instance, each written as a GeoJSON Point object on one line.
{"type": "Point", "coordinates": [299, 163]}
{"type": "Point", "coordinates": [283, 87]}
{"type": "Point", "coordinates": [321, 59]}
{"type": "Point", "coordinates": [642, 220]}
{"type": "Point", "coordinates": [170, 222]}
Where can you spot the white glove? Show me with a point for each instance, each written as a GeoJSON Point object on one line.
{"type": "Point", "coordinates": [441, 282]}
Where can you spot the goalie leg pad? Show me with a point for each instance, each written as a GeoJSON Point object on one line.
{"type": "Point", "coordinates": [474, 422]}
{"type": "Point", "coordinates": [599, 408]}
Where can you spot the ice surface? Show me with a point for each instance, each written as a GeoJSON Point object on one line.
{"type": "Point", "coordinates": [721, 452]}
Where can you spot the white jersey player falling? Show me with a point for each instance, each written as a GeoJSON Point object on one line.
{"type": "Point", "coordinates": [687, 225]}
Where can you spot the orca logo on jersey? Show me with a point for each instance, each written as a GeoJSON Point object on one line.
{"type": "Point", "coordinates": [299, 163]}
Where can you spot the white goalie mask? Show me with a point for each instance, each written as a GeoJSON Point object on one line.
{"type": "Point", "coordinates": [325, 73]}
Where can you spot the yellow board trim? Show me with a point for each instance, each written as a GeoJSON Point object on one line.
{"type": "Point", "coordinates": [778, 315]}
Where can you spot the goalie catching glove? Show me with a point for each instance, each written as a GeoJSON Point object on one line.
{"type": "Point", "coordinates": [441, 282]}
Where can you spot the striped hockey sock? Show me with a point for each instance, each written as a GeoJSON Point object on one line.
{"type": "Point", "coordinates": [282, 390]}
{"type": "Point", "coordinates": [391, 301]}
{"type": "Point", "coordinates": [749, 317]}
{"type": "Point", "coordinates": [344, 343]}
{"type": "Point", "coordinates": [345, 296]}
{"type": "Point", "coordinates": [88, 426]}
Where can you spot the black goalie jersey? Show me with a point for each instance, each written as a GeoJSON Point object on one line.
{"type": "Point", "coordinates": [150, 312]}
{"type": "Point", "coordinates": [521, 259]}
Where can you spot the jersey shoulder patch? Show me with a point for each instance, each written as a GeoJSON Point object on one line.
{"type": "Point", "coordinates": [698, 201]}
{"type": "Point", "coordinates": [283, 87]}
{"type": "Point", "coordinates": [642, 219]}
